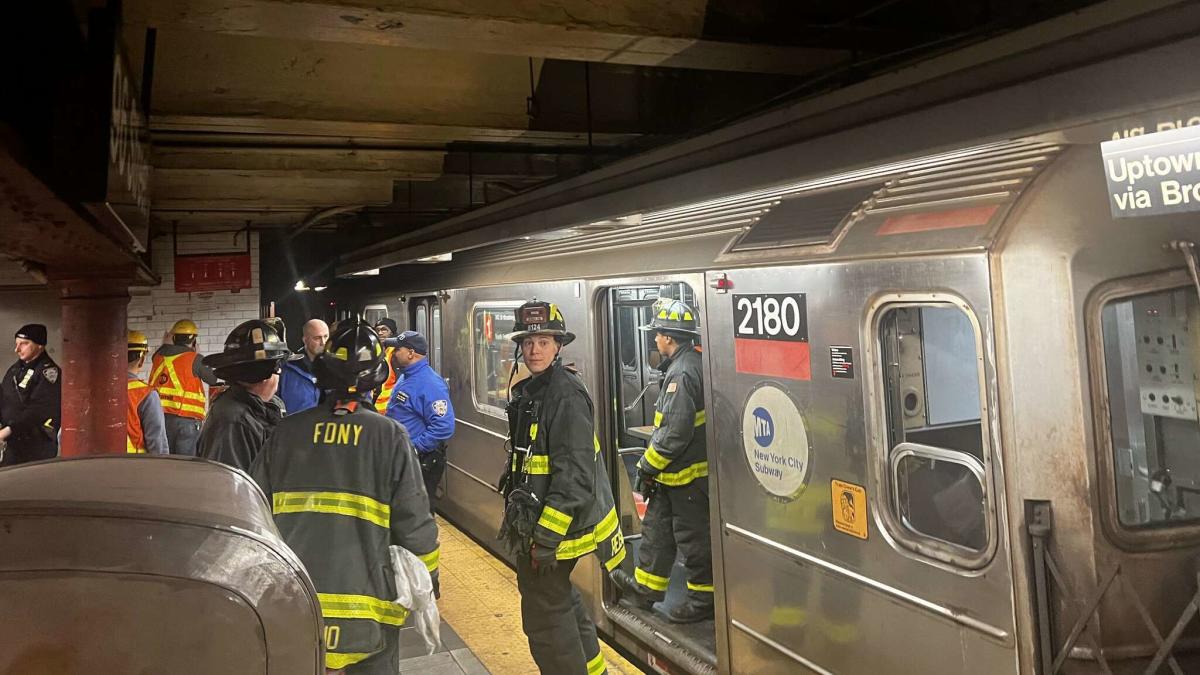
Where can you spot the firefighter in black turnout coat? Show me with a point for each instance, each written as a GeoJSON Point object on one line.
{"type": "Point", "coordinates": [559, 505]}
{"type": "Point", "coordinates": [673, 475]}
{"type": "Point", "coordinates": [344, 484]}
{"type": "Point", "coordinates": [242, 419]}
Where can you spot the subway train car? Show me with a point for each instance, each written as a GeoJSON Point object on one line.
{"type": "Point", "coordinates": [951, 404]}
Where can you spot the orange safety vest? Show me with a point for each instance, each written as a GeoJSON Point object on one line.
{"type": "Point", "coordinates": [182, 393]}
{"type": "Point", "coordinates": [135, 438]}
{"type": "Point", "coordinates": [385, 394]}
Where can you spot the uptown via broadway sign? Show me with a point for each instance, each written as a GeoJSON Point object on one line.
{"type": "Point", "coordinates": [1153, 174]}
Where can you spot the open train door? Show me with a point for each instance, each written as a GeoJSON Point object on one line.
{"type": "Point", "coordinates": [854, 462]}
{"type": "Point", "coordinates": [634, 371]}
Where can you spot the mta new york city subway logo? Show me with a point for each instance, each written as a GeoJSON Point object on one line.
{"type": "Point", "coordinates": [775, 440]}
{"type": "Point", "coordinates": [764, 427]}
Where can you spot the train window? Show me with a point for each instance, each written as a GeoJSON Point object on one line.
{"type": "Point", "coordinates": [435, 342]}
{"type": "Point", "coordinates": [1151, 360]}
{"type": "Point", "coordinates": [935, 448]}
{"type": "Point", "coordinates": [421, 320]}
{"type": "Point", "coordinates": [493, 355]}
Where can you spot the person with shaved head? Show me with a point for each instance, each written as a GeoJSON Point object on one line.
{"type": "Point", "coordinates": [298, 385]}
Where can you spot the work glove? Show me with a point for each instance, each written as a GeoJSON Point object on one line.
{"type": "Point", "coordinates": [505, 483]}
{"type": "Point", "coordinates": [646, 485]}
{"type": "Point", "coordinates": [542, 560]}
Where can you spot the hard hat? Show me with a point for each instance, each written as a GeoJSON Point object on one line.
{"type": "Point", "coordinates": [138, 341]}
{"type": "Point", "coordinates": [253, 352]}
{"type": "Point", "coordinates": [540, 318]}
{"type": "Point", "coordinates": [674, 318]}
{"type": "Point", "coordinates": [353, 359]}
{"type": "Point", "coordinates": [185, 327]}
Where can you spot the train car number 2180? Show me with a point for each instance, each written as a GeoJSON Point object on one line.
{"type": "Point", "coordinates": [771, 316]}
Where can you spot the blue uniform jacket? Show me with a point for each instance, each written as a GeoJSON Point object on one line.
{"type": "Point", "coordinates": [421, 402]}
{"type": "Point", "coordinates": [298, 387]}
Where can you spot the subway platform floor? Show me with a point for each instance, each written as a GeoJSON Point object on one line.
{"type": "Point", "coordinates": [481, 618]}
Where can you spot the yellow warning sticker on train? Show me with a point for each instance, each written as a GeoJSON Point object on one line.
{"type": "Point", "coordinates": [849, 508]}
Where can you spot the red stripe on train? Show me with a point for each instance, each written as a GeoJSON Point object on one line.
{"type": "Point", "coordinates": [775, 358]}
{"type": "Point", "coordinates": [938, 220]}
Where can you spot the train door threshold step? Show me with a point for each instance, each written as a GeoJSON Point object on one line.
{"type": "Point", "coordinates": [690, 646]}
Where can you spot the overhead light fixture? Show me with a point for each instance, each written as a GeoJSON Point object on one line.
{"type": "Point", "coordinates": [367, 273]}
{"type": "Point", "coordinates": [301, 286]}
{"type": "Point", "coordinates": [441, 257]}
{"type": "Point", "coordinates": [319, 288]}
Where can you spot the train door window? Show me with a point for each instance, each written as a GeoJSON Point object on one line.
{"type": "Point", "coordinates": [936, 448]}
{"type": "Point", "coordinates": [1151, 362]}
{"type": "Point", "coordinates": [493, 355]}
{"type": "Point", "coordinates": [421, 319]}
{"type": "Point", "coordinates": [373, 313]}
{"type": "Point", "coordinates": [435, 341]}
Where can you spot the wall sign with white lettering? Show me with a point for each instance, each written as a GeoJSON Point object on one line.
{"type": "Point", "coordinates": [1153, 174]}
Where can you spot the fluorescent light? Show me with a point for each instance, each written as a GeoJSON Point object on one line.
{"type": "Point", "coordinates": [319, 288]}
{"type": "Point", "coordinates": [441, 257]}
{"type": "Point", "coordinates": [301, 286]}
{"type": "Point", "coordinates": [367, 273]}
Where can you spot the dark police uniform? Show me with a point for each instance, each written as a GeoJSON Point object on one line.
{"type": "Point", "coordinates": [344, 484]}
{"type": "Point", "coordinates": [677, 458]}
{"type": "Point", "coordinates": [421, 402]}
{"type": "Point", "coordinates": [551, 415]}
{"type": "Point", "coordinates": [31, 403]}
{"type": "Point", "coordinates": [238, 426]}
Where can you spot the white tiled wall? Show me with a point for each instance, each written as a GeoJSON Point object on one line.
{"type": "Point", "coordinates": [215, 313]}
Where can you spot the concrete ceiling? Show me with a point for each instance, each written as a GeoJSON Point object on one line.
{"type": "Point", "coordinates": [377, 117]}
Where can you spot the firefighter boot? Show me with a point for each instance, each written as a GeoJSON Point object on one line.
{"type": "Point", "coordinates": [690, 612]}
{"type": "Point", "coordinates": [632, 592]}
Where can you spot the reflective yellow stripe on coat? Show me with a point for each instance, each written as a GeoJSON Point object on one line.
{"type": "Point", "coordinates": [339, 503]}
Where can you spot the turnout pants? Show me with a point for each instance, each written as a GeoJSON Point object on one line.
{"type": "Point", "coordinates": [677, 519]}
{"type": "Point", "coordinates": [183, 433]}
{"type": "Point", "coordinates": [561, 636]}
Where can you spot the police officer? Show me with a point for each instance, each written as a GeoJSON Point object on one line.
{"type": "Point", "coordinates": [421, 402]}
{"type": "Point", "coordinates": [178, 376]}
{"type": "Point", "coordinates": [674, 470]}
{"type": "Point", "coordinates": [145, 429]}
{"type": "Point", "coordinates": [558, 503]}
{"type": "Point", "coordinates": [386, 329]}
{"type": "Point", "coordinates": [344, 483]}
{"type": "Point", "coordinates": [30, 400]}
{"type": "Point", "coordinates": [297, 383]}
{"type": "Point", "coordinates": [245, 415]}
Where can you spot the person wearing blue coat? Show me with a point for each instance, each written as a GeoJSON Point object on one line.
{"type": "Point", "coordinates": [421, 402]}
{"type": "Point", "coordinates": [297, 383]}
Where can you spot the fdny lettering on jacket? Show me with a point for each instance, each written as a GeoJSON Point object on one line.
{"type": "Point", "coordinates": [336, 433]}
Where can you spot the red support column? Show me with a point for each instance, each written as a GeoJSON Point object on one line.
{"type": "Point", "coordinates": [93, 365]}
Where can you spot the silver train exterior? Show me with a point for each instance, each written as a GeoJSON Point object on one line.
{"type": "Point", "coordinates": [970, 479]}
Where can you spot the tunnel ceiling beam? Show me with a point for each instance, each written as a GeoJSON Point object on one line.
{"type": "Point", "coordinates": [631, 32]}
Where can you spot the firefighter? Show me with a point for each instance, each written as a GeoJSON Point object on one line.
{"type": "Point", "coordinates": [558, 503]}
{"type": "Point", "coordinates": [673, 474]}
{"type": "Point", "coordinates": [344, 484]}
{"type": "Point", "coordinates": [177, 374]}
{"type": "Point", "coordinates": [30, 401]}
{"type": "Point", "coordinates": [386, 328]}
{"type": "Point", "coordinates": [145, 429]}
{"type": "Point", "coordinates": [245, 416]}
{"type": "Point", "coordinates": [421, 403]}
